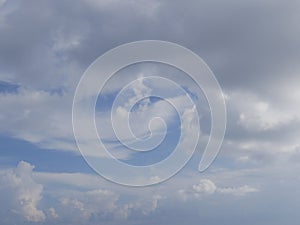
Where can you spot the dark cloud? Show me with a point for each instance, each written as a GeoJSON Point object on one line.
{"type": "Point", "coordinates": [246, 43]}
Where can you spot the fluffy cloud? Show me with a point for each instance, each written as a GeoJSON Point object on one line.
{"type": "Point", "coordinates": [103, 205]}
{"type": "Point", "coordinates": [22, 196]}
{"type": "Point", "coordinates": [256, 114]}
{"type": "Point", "coordinates": [205, 186]}
{"type": "Point", "coordinates": [21, 193]}
{"type": "Point", "coordinates": [86, 202]}
{"type": "Point", "coordinates": [82, 206]}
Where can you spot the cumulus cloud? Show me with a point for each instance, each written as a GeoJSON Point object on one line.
{"type": "Point", "coordinates": [104, 205]}
{"type": "Point", "coordinates": [21, 193]}
{"type": "Point", "coordinates": [205, 186]}
{"type": "Point", "coordinates": [84, 205]}
{"type": "Point", "coordinates": [51, 213]}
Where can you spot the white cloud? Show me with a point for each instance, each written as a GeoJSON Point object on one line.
{"type": "Point", "coordinates": [51, 213]}
{"type": "Point", "coordinates": [147, 205]}
{"type": "Point", "coordinates": [37, 116]}
{"type": "Point", "coordinates": [21, 193]}
{"type": "Point", "coordinates": [45, 119]}
{"type": "Point", "coordinates": [102, 204]}
{"type": "Point", "coordinates": [65, 42]}
{"type": "Point", "coordinates": [206, 187]}
{"type": "Point", "coordinates": [239, 191]}
{"type": "Point", "coordinates": [262, 129]}
{"type": "Point", "coordinates": [76, 198]}
{"type": "Point", "coordinates": [201, 189]}
{"type": "Point", "coordinates": [85, 200]}
{"type": "Point", "coordinates": [258, 114]}
{"type": "Point", "coordinates": [81, 206]}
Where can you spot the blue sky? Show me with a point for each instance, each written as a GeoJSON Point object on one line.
{"type": "Point", "coordinates": [252, 47]}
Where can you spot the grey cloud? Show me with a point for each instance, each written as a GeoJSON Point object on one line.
{"type": "Point", "coordinates": [248, 44]}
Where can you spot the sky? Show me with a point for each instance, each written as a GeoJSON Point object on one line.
{"type": "Point", "coordinates": [253, 49]}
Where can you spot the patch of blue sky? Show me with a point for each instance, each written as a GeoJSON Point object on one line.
{"type": "Point", "coordinates": [6, 87]}
{"type": "Point", "coordinates": [14, 150]}
{"type": "Point", "coordinates": [166, 147]}
{"type": "Point", "coordinates": [138, 158]}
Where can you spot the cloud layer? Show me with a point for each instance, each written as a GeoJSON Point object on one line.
{"type": "Point", "coordinates": [253, 48]}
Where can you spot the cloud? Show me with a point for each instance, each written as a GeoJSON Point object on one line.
{"type": "Point", "coordinates": [51, 58]}
{"type": "Point", "coordinates": [44, 118]}
{"type": "Point", "coordinates": [86, 198]}
{"type": "Point", "coordinates": [206, 187]}
{"type": "Point", "coordinates": [239, 191]}
{"type": "Point", "coordinates": [83, 202]}
{"type": "Point", "coordinates": [51, 213]}
{"type": "Point", "coordinates": [252, 47]}
{"type": "Point", "coordinates": [256, 114]}
{"type": "Point", "coordinates": [38, 117]}
{"type": "Point", "coordinates": [104, 205]}
{"type": "Point", "coordinates": [84, 205]}
{"type": "Point", "coordinates": [21, 193]}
